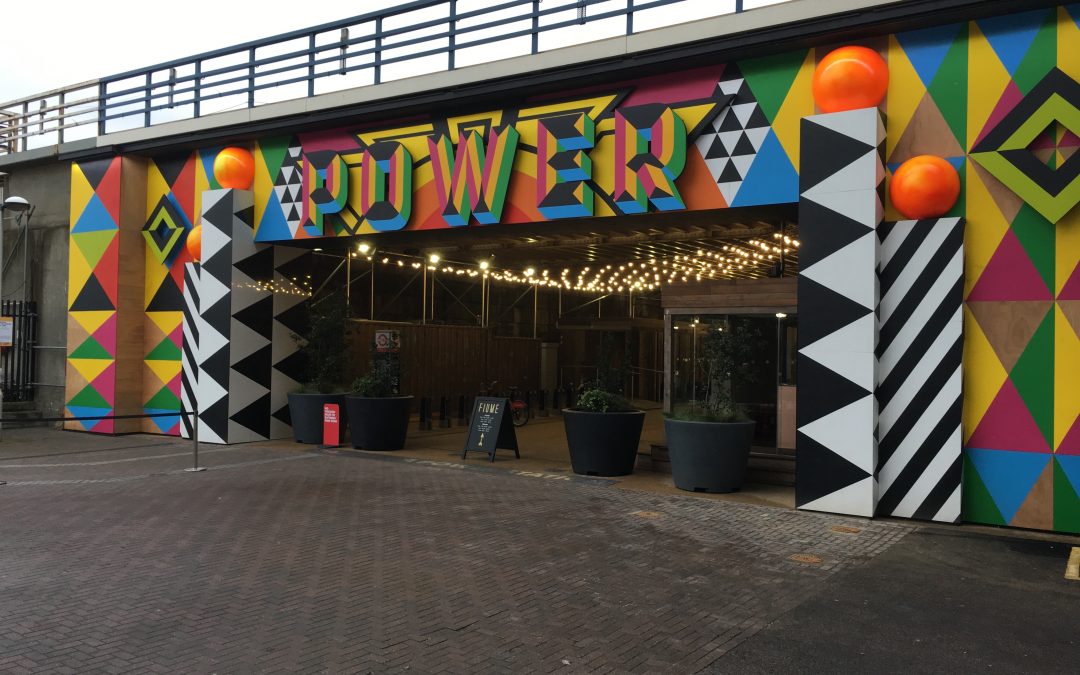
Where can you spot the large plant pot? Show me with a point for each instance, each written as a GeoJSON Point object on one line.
{"type": "Point", "coordinates": [306, 413]}
{"type": "Point", "coordinates": [603, 444]}
{"type": "Point", "coordinates": [379, 423]}
{"type": "Point", "coordinates": [708, 456]}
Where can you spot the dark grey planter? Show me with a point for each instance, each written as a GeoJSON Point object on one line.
{"type": "Point", "coordinates": [708, 456]}
{"type": "Point", "coordinates": [603, 444]}
{"type": "Point", "coordinates": [306, 413]}
{"type": "Point", "coordinates": [379, 423]}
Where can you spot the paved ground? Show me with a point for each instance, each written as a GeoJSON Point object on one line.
{"type": "Point", "coordinates": [279, 559]}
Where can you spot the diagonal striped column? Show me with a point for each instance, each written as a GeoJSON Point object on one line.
{"type": "Point", "coordinates": [920, 350]}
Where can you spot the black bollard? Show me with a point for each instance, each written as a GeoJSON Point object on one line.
{"type": "Point", "coordinates": [425, 414]}
{"type": "Point", "coordinates": [444, 413]}
{"type": "Point", "coordinates": [555, 396]}
{"type": "Point", "coordinates": [542, 402]}
{"type": "Point", "coordinates": [461, 411]}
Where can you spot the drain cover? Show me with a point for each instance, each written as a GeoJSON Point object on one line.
{"type": "Point", "coordinates": [807, 558]}
{"type": "Point", "coordinates": [844, 529]}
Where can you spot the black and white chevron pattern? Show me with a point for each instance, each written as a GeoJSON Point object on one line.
{"type": "Point", "coordinates": [920, 349]}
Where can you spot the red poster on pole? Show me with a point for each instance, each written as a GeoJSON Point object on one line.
{"type": "Point", "coordinates": [331, 428]}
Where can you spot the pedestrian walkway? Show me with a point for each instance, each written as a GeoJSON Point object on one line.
{"type": "Point", "coordinates": [284, 559]}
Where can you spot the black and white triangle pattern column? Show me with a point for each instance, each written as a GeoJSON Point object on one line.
{"type": "Point", "coordinates": [289, 319]}
{"type": "Point", "coordinates": [732, 140]}
{"type": "Point", "coordinates": [920, 350]}
{"type": "Point", "coordinates": [840, 208]}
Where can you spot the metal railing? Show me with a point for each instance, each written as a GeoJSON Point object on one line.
{"type": "Point", "coordinates": [310, 61]}
{"type": "Point", "coordinates": [17, 361]}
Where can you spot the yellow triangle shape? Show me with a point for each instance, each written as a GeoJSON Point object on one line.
{"type": "Point", "coordinates": [691, 115]}
{"type": "Point", "coordinates": [983, 228]}
{"type": "Point", "coordinates": [81, 192]}
{"type": "Point", "coordinates": [1066, 248]}
{"type": "Point", "coordinates": [798, 103]}
{"type": "Point", "coordinates": [164, 370]}
{"type": "Point", "coordinates": [1068, 36]}
{"type": "Point", "coordinates": [983, 374]}
{"type": "Point", "coordinates": [155, 188]}
{"type": "Point", "coordinates": [78, 271]}
{"type": "Point", "coordinates": [1066, 384]}
{"type": "Point", "coordinates": [906, 91]}
{"type": "Point", "coordinates": [156, 274]}
{"type": "Point", "coordinates": [90, 368]}
{"type": "Point", "coordinates": [987, 80]}
{"type": "Point", "coordinates": [91, 321]}
{"type": "Point", "coordinates": [166, 321]}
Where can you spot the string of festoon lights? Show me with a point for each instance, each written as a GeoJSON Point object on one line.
{"type": "Point", "coordinates": [297, 286]}
{"type": "Point", "coordinates": [640, 275]}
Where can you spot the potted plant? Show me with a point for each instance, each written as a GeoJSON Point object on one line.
{"type": "Point", "coordinates": [379, 413]}
{"type": "Point", "coordinates": [603, 429]}
{"type": "Point", "coordinates": [323, 348]}
{"type": "Point", "coordinates": [709, 443]}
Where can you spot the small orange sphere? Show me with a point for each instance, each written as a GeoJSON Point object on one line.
{"type": "Point", "coordinates": [850, 78]}
{"type": "Point", "coordinates": [234, 168]}
{"type": "Point", "coordinates": [924, 187]}
{"type": "Point", "coordinates": [194, 243]}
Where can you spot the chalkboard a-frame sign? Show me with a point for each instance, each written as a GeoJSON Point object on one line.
{"type": "Point", "coordinates": [491, 428]}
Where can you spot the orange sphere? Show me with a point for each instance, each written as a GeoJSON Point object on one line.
{"type": "Point", "coordinates": [924, 187]}
{"type": "Point", "coordinates": [234, 168]}
{"type": "Point", "coordinates": [194, 243]}
{"type": "Point", "coordinates": [850, 78]}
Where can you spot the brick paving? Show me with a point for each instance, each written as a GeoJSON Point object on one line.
{"type": "Point", "coordinates": [278, 560]}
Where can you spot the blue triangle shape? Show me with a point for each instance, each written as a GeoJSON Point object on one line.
{"type": "Point", "coordinates": [272, 225]}
{"type": "Point", "coordinates": [926, 49]}
{"type": "Point", "coordinates": [771, 178]}
{"type": "Point", "coordinates": [1009, 476]}
{"type": "Point", "coordinates": [86, 411]}
{"type": "Point", "coordinates": [207, 157]}
{"type": "Point", "coordinates": [163, 423]}
{"type": "Point", "coordinates": [1011, 35]}
{"type": "Point", "coordinates": [94, 218]}
{"type": "Point", "coordinates": [1070, 465]}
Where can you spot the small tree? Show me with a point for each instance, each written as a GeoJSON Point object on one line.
{"type": "Point", "coordinates": [728, 359]}
{"type": "Point", "coordinates": [384, 378]}
{"type": "Point", "coordinates": [323, 345]}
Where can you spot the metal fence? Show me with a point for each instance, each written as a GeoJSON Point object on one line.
{"type": "Point", "coordinates": [313, 60]}
{"type": "Point", "coordinates": [17, 361]}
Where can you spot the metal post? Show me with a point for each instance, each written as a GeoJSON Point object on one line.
{"type": "Point", "coordinates": [423, 296]}
{"type": "Point", "coordinates": [536, 27]}
{"type": "Point", "coordinates": [536, 302]}
{"type": "Point", "coordinates": [195, 442]}
{"type": "Point", "coordinates": [348, 280]}
{"type": "Point", "coordinates": [453, 34]}
{"type": "Point", "coordinates": [371, 310]}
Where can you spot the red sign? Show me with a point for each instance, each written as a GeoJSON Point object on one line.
{"type": "Point", "coordinates": [331, 426]}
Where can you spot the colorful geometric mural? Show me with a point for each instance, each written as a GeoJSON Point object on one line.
{"type": "Point", "coordinates": [1004, 90]}
{"type": "Point", "coordinates": [92, 286]}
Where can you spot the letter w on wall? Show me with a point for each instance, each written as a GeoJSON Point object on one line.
{"type": "Point", "coordinates": [473, 180]}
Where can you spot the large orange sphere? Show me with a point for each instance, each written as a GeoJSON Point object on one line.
{"type": "Point", "coordinates": [194, 243]}
{"type": "Point", "coordinates": [924, 187]}
{"type": "Point", "coordinates": [234, 168]}
{"type": "Point", "coordinates": [850, 78]}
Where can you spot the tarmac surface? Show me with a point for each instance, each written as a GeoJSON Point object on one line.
{"type": "Point", "coordinates": [290, 558]}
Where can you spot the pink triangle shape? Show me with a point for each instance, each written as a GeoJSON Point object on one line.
{"type": "Point", "coordinates": [1009, 98]}
{"type": "Point", "coordinates": [1010, 275]}
{"type": "Point", "coordinates": [174, 386]}
{"type": "Point", "coordinates": [1071, 289]}
{"type": "Point", "coordinates": [105, 384]}
{"type": "Point", "coordinates": [1069, 140]}
{"type": "Point", "coordinates": [1007, 425]}
{"type": "Point", "coordinates": [106, 335]}
{"type": "Point", "coordinates": [1070, 445]}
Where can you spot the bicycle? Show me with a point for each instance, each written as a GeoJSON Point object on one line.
{"type": "Point", "coordinates": [519, 409]}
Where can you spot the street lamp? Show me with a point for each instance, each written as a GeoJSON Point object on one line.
{"type": "Point", "coordinates": [16, 205]}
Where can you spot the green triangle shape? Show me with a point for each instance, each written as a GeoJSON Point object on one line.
{"type": "Point", "coordinates": [949, 87]}
{"type": "Point", "coordinates": [977, 506]}
{"type": "Point", "coordinates": [1066, 502]}
{"type": "Point", "coordinates": [90, 349]}
{"type": "Point", "coordinates": [1033, 376]}
{"type": "Point", "coordinates": [89, 398]}
{"type": "Point", "coordinates": [770, 78]}
{"type": "Point", "coordinates": [1040, 57]}
{"type": "Point", "coordinates": [273, 153]}
{"type": "Point", "coordinates": [163, 400]}
{"type": "Point", "coordinates": [1036, 235]}
{"type": "Point", "coordinates": [165, 351]}
{"type": "Point", "coordinates": [93, 244]}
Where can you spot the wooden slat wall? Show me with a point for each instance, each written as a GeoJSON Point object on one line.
{"type": "Point", "coordinates": [747, 295]}
{"type": "Point", "coordinates": [450, 360]}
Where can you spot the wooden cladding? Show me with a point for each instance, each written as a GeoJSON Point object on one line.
{"type": "Point", "coordinates": [450, 360]}
{"type": "Point", "coordinates": [746, 296]}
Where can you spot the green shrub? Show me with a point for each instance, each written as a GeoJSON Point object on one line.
{"type": "Point", "coordinates": [727, 356]}
{"type": "Point", "coordinates": [384, 378]}
{"type": "Point", "coordinates": [598, 400]}
{"type": "Point", "coordinates": [323, 346]}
